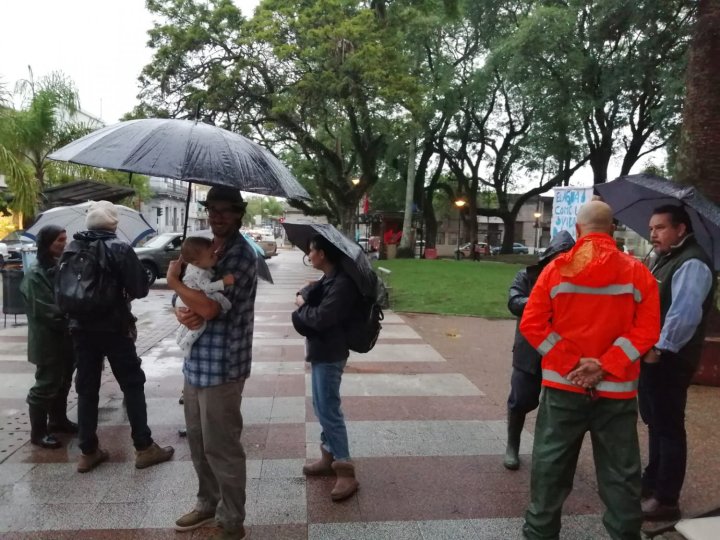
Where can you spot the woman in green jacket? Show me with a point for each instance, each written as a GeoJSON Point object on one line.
{"type": "Point", "coordinates": [49, 343]}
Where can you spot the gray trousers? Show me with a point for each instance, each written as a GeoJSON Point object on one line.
{"type": "Point", "coordinates": [214, 425]}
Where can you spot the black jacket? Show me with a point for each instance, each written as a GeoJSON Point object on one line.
{"type": "Point", "coordinates": [328, 306]}
{"type": "Point", "coordinates": [525, 357]}
{"type": "Point", "coordinates": [132, 281]}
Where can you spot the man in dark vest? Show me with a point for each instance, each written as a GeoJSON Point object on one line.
{"type": "Point", "coordinates": [684, 274]}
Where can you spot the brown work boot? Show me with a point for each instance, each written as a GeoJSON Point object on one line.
{"type": "Point", "coordinates": [321, 467]}
{"type": "Point", "coordinates": [152, 455]}
{"type": "Point", "coordinates": [88, 462]}
{"type": "Point", "coordinates": [230, 534]}
{"type": "Point", "coordinates": [193, 520]}
{"type": "Point", "coordinates": [346, 484]}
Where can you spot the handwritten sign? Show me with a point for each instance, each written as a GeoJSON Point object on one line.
{"type": "Point", "coordinates": [565, 206]}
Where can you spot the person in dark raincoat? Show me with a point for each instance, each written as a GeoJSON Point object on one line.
{"type": "Point", "coordinates": [49, 343]}
{"type": "Point", "coordinates": [526, 377]}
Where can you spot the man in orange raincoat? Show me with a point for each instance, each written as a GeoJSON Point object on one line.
{"type": "Point", "coordinates": [592, 315]}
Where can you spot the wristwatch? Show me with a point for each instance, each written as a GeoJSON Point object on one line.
{"type": "Point", "coordinates": [658, 352]}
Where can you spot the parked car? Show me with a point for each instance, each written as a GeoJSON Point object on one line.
{"type": "Point", "coordinates": [14, 242]}
{"type": "Point", "coordinates": [156, 254]}
{"type": "Point", "coordinates": [481, 248]}
{"type": "Point", "coordinates": [265, 241]}
{"type": "Point", "coordinates": [4, 253]}
{"type": "Point", "coordinates": [517, 249]}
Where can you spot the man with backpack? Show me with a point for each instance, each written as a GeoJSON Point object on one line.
{"type": "Point", "coordinates": [98, 277]}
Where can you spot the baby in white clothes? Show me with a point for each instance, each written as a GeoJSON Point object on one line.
{"type": "Point", "coordinates": [199, 254]}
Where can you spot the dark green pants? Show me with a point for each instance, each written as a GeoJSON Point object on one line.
{"type": "Point", "coordinates": [563, 418]}
{"type": "Point", "coordinates": [52, 383]}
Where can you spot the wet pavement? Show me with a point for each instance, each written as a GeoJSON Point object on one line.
{"type": "Point", "coordinates": [425, 412]}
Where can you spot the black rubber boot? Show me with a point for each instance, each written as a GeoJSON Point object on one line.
{"type": "Point", "coordinates": [38, 429]}
{"type": "Point", "coordinates": [515, 422]}
{"type": "Point", "coordinates": [59, 422]}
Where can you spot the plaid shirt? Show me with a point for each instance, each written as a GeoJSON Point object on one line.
{"type": "Point", "coordinates": [223, 352]}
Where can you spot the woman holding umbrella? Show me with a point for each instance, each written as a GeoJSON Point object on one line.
{"type": "Point", "coordinates": [49, 343]}
{"type": "Point", "coordinates": [320, 317]}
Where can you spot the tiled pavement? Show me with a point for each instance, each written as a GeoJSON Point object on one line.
{"type": "Point", "coordinates": [425, 424]}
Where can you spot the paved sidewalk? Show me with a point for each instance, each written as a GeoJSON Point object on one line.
{"type": "Point", "coordinates": [425, 413]}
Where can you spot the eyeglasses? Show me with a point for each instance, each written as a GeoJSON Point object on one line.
{"type": "Point", "coordinates": [224, 212]}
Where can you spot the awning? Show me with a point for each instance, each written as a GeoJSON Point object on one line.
{"type": "Point", "coordinates": [85, 190]}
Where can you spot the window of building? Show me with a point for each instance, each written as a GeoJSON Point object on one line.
{"type": "Point", "coordinates": [167, 216]}
{"type": "Point", "coordinates": [440, 238]}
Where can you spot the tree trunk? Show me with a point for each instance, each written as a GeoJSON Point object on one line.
{"type": "Point", "coordinates": [698, 161]}
{"type": "Point", "coordinates": [407, 237]}
{"type": "Point", "coordinates": [599, 161]}
{"type": "Point", "coordinates": [509, 236]}
{"type": "Point", "coordinates": [431, 224]}
{"type": "Point", "coordinates": [348, 221]}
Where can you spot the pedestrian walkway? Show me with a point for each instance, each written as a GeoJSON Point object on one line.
{"type": "Point", "coordinates": [426, 428]}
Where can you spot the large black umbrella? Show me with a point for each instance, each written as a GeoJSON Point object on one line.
{"type": "Point", "coordinates": [184, 150]}
{"type": "Point", "coordinates": [354, 260]}
{"type": "Point", "coordinates": [633, 199]}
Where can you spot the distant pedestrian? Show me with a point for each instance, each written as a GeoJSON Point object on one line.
{"type": "Point", "coordinates": [592, 314]}
{"type": "Point", "coordinates": [199, 254]}
{"type": "Point", "coordinates": [687, 286]}
{"type": "Point", "coordinates": [49, 344]}
{"type": "Point", "coordinates": [216, 370]}
{"type": "Point", "coordinates": [526, 377]}
{"type": "Point", "coordinates": [111, 333]}
{"type": "Point", "coordinates": [323, 307]}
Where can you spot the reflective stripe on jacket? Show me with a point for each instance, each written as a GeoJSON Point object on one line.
{"type": "Point", "coordinates": [593, 302]}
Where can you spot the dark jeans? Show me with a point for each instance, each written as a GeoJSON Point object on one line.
{"type": "Point", "coordinates": [524, 391]}
{"type": "Point", "coordinates": [663, 396]}
{"type": "Point", "coordinates": [90, 349]}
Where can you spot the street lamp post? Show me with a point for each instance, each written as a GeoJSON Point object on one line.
{"type": "Point", "coordinates": [459, 203]}
{"type": "Point", "coordinates": [537, 216]}
{"type": "Point", "coordinates": [355, 182]}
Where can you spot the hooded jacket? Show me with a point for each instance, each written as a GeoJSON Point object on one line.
{"type": "Point", "coordinates": [132, 282]}
{"type": "Point", "coordinates": [525, 357]}
{"type": "Point", "coordinates": [593, 302]}
{"type": "Point", "coordinates": [48, 337]}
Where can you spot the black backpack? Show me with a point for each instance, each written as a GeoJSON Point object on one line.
{"type": "Point", "coordinates": [363, 327]}
{"type": "Point", "coordinates": [85, 283]}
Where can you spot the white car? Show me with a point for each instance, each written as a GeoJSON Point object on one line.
{"type": "Point", "coordinates": [265, 241]}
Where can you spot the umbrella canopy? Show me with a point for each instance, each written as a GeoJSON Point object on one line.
{"type": "Point", "coordinates": [184, 150]}
{"type": "Point", "coordinates": [263, 270]}
{"type": "Point", "coordinates": [131, 228]}
{"type": "Point", "coordinates": [633, 199]}
{"type": "Point", "coordinates": [354, 260]}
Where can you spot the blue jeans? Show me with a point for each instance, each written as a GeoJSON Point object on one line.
{"type": "Point", "coordinates": [326, 378]}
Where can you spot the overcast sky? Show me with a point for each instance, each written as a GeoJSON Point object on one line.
{"type": "Point", "coordinates": [99, 44]}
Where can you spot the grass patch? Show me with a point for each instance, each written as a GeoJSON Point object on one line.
{"type": "Point", "coordinates": [450, 287]}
